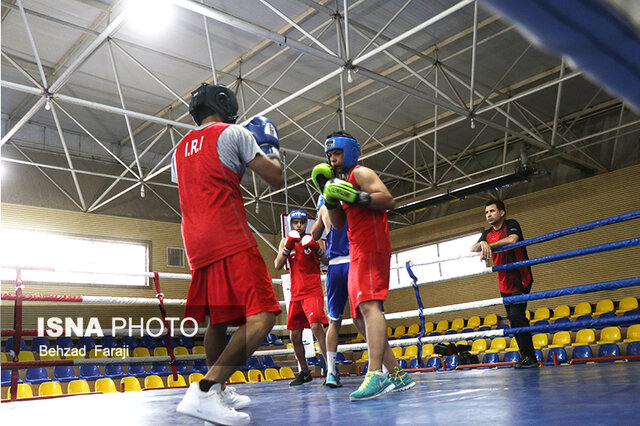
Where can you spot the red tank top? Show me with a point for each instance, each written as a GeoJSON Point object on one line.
{"type": "Point", "coordinates": [214, 223]}
{"type": "Point", "coordinates": [305, 273]}
{"type": "Point", "coordinates": [368, 229]}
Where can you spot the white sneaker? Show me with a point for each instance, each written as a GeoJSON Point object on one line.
{"type": "Point", "coordinates": [235, 400]}
{"type": "Point", "coordinates": [210, 406]}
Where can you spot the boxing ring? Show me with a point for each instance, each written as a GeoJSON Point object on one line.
{"type": "Point", "coordinates": [594, 392]}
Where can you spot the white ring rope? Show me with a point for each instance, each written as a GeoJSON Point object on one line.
{"type": "Point", "coordinates": [440, 260]}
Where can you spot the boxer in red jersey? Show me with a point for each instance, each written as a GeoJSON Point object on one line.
{"type": "Point", "coordinates": [230, 281]}
{"type": "Point", "coordinates": [306, 307]}
{"type": "Point", "coordinates": [364, 200]}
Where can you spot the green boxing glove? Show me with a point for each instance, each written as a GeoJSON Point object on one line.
{"type": "Point", "coordinates": [336, 190]}
{"type": "Point", "coordinates": [321, 174]}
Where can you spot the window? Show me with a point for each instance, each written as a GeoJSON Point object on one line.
{"type": "Point", "coordinates": [73, 253]}
{"type": "Point", "coordinates": [431, 253]}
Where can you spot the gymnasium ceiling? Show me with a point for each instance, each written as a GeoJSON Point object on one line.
{"type": "Point", "coordinates": [116, 98]}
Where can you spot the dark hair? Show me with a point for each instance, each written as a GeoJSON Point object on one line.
{"type": "Point", "coordinates": [340, 133]}
{"type": "Point", "coordinates": [499, 204]}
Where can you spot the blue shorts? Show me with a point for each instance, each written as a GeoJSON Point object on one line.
{"type": "Point", "coordinates": [337, 289]}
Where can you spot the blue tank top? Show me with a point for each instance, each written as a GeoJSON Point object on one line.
{"type": "Point", "coordinates": [337, 242]}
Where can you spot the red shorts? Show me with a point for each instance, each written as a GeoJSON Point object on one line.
{"type": "Point", "coordinates": [368, 278]}
{"type": "Point", "coordinates": [231, 289]}
{"type": "Point", "coordinates": [306, 311]}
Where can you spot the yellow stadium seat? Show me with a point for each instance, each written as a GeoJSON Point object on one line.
{"type": "Point", "coordinates": [457, 324]}
{"type": "Point", "coordinates": [237, 377]}
{"type": "Point", "coordinates": [287, 373]}
{"type": "Point", "coordinates": [180, 350]}
{"type": "Point", "coordinates": [389, 332]}
{"type": "Point", "coordinates": [497, 344]}
{"type": "Point", "coordinates": [96, 353]}
{"type": "Point", "coordinates": [582, 308]}
{"type": "Point", "coordinates": [271, 374]}
{"type": "Point", "coordinates": [358, 339]}
{"type": "Point", "coordinates": [49, 357]}
{"type": "Point", "coordinates": [527, 314]}
{"type": "Point", "coordinates": [541, 314]}
{"type": "Point", "coordinates": [462, 342]}
{"type": "Point", "coordinates": [78, 386]}
{"type": "Point", "coordinates": [364, 358]}
{"type": "Point", "coordinates": [131, 384]}
{"type": "Point", "coordinates": [397, 351]}
{"type": "Point", "coordinates": [474, 322]}
{"type": "Point", "coordinates": [410, 352]}
{"type": "Point", "coordinates": [23, 391]}
{"type": "Point", "coordinates": [74, 354]}
{"type": "Point", "coordinates": [560, 340]}
{"type": "Point", "coordinates": [428, 327]}
{"type": "Point", "coordinates": [633, 333]}
{"type": "Point", "coordinates": [198, 350]}
{"type": "Point", "coordinates": [105, 385]}
{"type": "Point", "coordinates": [604, 306]}
{"type": "Point", "coordinates": [540, 340]}
{"type": "Point", "coordinates": [179, 382]}
{"type": "Point", "coordinates": [562, 311]}
{"type": "Point", "coordinates": [586, 336]}
{"type": "Point", "coordinates": [26, 356]}
{"type": "Point", "coordinates": [478, 346]}
{"type": "Point", "coordinates": [153, 382]}
{"type": "Point", "coordinates": [4, 357]}
{"type": "Point", "coordinates": [513, 345]}
{"type": "Point", "coordinates": [413, 330]}
{"type": "Point", "coordinates": [627, 304]}
{"type": "Point", "coordinates": [49, 388]}
{"type": "Point", "coordinates": [140, 352]}
{"type": "Point", "coordinates": [160, 352]}
{"type": "Point", "coordinates": [255, 376]}
{"type": "Point", "coordinates": [442, 326]}
{"type": "Point", "coordinates": [195, 377]}
{"type": "Point", "coordinates": [400, 331]}
{"type": "Point", "coordinates": [610, 335]}
{"type": "Point", "coordinates": [289, 345]}
{"type": "Point", "coordinates": [490, 320]}
{"type": "Point", "coordinates": [427, 350]}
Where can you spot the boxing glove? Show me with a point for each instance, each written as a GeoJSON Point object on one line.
{"type": "Point", "coordinates": [292, 238]}
{"type": "Point", "coordinates": [321, 174]}
{"type": "Point", "coordinates": [309, 243]}
{"type": "Point", "coordinates": [336, 190]}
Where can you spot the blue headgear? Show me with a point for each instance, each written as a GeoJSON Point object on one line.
{"type": "Point", "coordinates": [298, 214]}
{"type": "Point", "coordinates": [348, 145]}
{"type": "Point", "coordinates": [265, 133]}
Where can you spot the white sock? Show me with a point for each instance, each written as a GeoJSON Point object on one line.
{"type": "Point", "coordinates": [331, 362]}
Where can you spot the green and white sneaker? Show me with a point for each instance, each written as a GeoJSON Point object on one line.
{"type": "Point", "coordinates": [333, 381]}
{"type": "Point", "coordinates": [373, 386]}
{"type": "Point", "coordinates": [401, 382]}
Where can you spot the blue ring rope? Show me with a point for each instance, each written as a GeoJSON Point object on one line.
{"type": "Point", "coordinates": [585, 323]}
{"type": "Point", "coordinates": [579, 228]}
{"type": "Point", "coordinates": [420, 308]}
{"type": "Point", "coordinates": [569, 254]}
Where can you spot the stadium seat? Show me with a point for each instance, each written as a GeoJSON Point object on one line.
{"type": "Point", "coordinates": [490, 320]}
{"type": "Point", "coordinates": [561, 354]}
{"type": "Point", "coordinates": [513, 356]}
{"type": "Point", "coordinates": [427, 350]}
{"type": "Point", "coordinates": [26, 356]}
{"type": "Point", "coordinates": [49, 357]}
{"type": "Point", "coordinates": [429, 327]}
{"type": "Point", "coordinates": [36, 375]}
{"type": "Point", "coordinates": [131, 384]}
{"type": "Point", "coordinates": [137, 370]}
{"type": "Point", "coordinates": [579, 352]}
{"type": "Point", "coordinates": [451, 362]}
{"type": "Point", "coordinates": [397, 351]}
{"type": "Point", "coordinates": [402, 363]}
{"type": "Point", "coordinates": [610, 335]}
{"type": "Point", "coordinates": [64, 373]}
{"type": "Point", "coordinates": [185, 341]}
{"type": "Point", "coordinates": [415, 363]}
{"type": "Point", "coordinates": [467, 330]}
{"type": "Point", "coordinates": [586, 336]}
{"type": "Point", "coordinates": [199, 366]}
{"type": "Point", "coordinates": [49, 389]}
{"type": "Point", "coordinates": [513, 345]}
{"type": "Point", "coordinates": [434, 362]}
{"type": "Point", "coordinates": [179, 382]}
{"type": "Point", "coordinates": [364, 358]}
{"type": "Point", "coordinates": [450, 332]}
{"type": "Point", "coordinates": [583, 308]}
{"type": "Point", "coordinates": [478, 346]}
{"type": "Point", "coordinates": [87, 343]}
{"type": "Point", "coordinates": [474, 322]}
{"type": "Point", "coordinates": [538, 353]}
{"type": "Point", "coordinates": [287, 373]}
{"type": "Point", "coordinates": [358, 339]}
{"type": "Point", "coordinates": [340, 359]}
{"type": "Point", "coordinates": [527, 314]}
{"type": "Point", "coordinates": [497, 344]}
{"type": "Point", "coordinates": [109, 342]}
{"type": "Point", "coordinates": [541, 314]}
{"type": "Point", "coordinates": [9, 345]}
{"type": "Point", "coordinates": [271, 374]}
{"type": "Point", "coordinates": [180, 350]}
{"type": "Point", "coordinates": [130, 342]}
{"type": "Point", "coordinates": [141, 352]}
{"type": "Point", "coordinates": [255, 376]}
{"type": "Point", "coordinates": [442, 326]}
{"type": "Point", "coordinates": [413, 330]}
{"type": "Point", "coordinates": [457, 324]}
{"type": "Point", "coordinates": [490, 358]}
{"type": "Point", "coordinates": [562, 320]}
{"type": "Point", "coordinates": [237, 377]}
{"type": "Point", "coordinates": [633, 348]}
{"type": "Point", "coordinates": [38, 342]}
{"type": "Point", "coordinates": [254, 363]}
{"type": "Point", "coordinates": [96, 353]}
{"type": "Point", "coordinates": [410, 352]}
{"type": "Point", "coordinates": [434, 333]}
{"type": "Point", "coordinates": [105, 385]}
{"type": "Point", "coordinates": [562, 311]}
{"type": "Point", "coordinates": [560, 340]}
{"type": "Point", "coordinates": [274, 340]}
{"type": "Point", "coordinates": [148, 342]}
{"type": "Point", "coordinates": [89, 372]}
{"type": "Point", "coordinates": [633, 333]}
{"type": "Point", "coordinates": [399, 332]}
{"type": "Point", "coordinates": [627, 304]}
{"type": "Point", "coordinates": [484, 328]}
{"type": "Point", "coordinates": [78, 386]}
{"type": "Point", "coordinates": [153, 382]}
{"type": "Point", "coordinates": [389, 333]}
{"type": "Point", "coordinates": [160, 351]}
{"type": "Point", "coordinates": [195, 377]}
{"type": "Point", "coordinates": [23, 391]}
{"type": "Point", "coordinates": [113, 371]}
{"type": "Point", "coordinates": [607, 350]}
{"type": "Point", "coordinates": [6, 377]}
{"type": "Point", "coordinates": [158, 368]}
{"type": "Point", "coordinates": [604, 306]}
{"type": "Point", "coordinates": [365, 369]}
{"type": "Point", "coordinates": [540, 340]}
{"type": "Point", "coordinates": [198, 350]}
{"type": "Point", "coordinates": [64, 342]}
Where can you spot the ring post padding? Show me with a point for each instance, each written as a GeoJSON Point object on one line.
{"type": "Point", "coordinates": [160, 296]}
{"type": "Point", "coordinates": [414, 280]}
{"type": "Point", "coordinates": [17, 338]}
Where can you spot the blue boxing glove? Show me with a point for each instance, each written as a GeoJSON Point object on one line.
{"type": "Point", "coordinates": [266, 134]}
{"type": "Point", "coordinates": [337, 190]}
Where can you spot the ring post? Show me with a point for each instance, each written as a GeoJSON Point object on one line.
{"type": "Point", "coordinates": [160, 296]}
{"type": "Point", "coordinates": [420, 307]}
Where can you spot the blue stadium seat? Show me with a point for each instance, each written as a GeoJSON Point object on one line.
{"type": "Point", "coordinates": [185, 341]}
{"type": "Point", "coordinates": [503, 326]}
{"type": "Point", "coordinates": [542, 322]}
{"type": "Point", "coordinates": [158, 368]}
{"type": "Point", "coordinates": [148, 342]}
{"type": "Point", "coordinates": [608, 349]}
{"type": "Point", "coordinates": [267, 362]}
{"type": "Point", "coordinates": [36, 375]}
{"type": "Point", "coordinates": [274, 340]}
{"type": "Point", "coordinates": [6, 377]}
{"type": "Point", "coordinates": [562, 320]}
{"type": "Point", "coordinates": [605, 315]}
{"type": "Point", "coordinates": [538, 355]}
{"type": "Point", "coordinates": [451, 332]}
{"type": "Point", "coordinates": [434, 333]}
{"type": "Point", "coordinates": [340, 359]}
{"type": "Point", "coordinates": [9, 345]}
{"type": "Point", "coordinates": [64, 342]}
{"type": "Point", "coordinates": [113, 371]}
{"type": "Point", "coordinates": [490, 358]}
{"type": "Point", "coordinates": [633, 348]}
{"type": "Point", "coordinates": [434, 362]}
{"type": "Point", "coordinates": [403, 363]}
{"type": "Point", "coordinates": [561, 354]}
{"type": "Point", "coordinates": [313, 361]}
{"type": "Point", "coordinates": [581, 352]}
{"type": "Point", "coordinates": [513, 356]}
{"type": "Point", "coordinates": [182, 368]}
{"type": "Point", "coordinates": [87, 342]}
{"type": "Point", "coordinates": [415, 363]}
{"type": "Point", "coordinates": [136, 370]}
{"type": "Point", "coordinates": [109, 342]}
{"type": "Point", "coordinates": [64, 373]}
{"type": "Point", "coordinates": [484, 328]}
{"type": "Point", "coordinates": [130, 342]}
{"type": "Point", "coordinates": [467, 330]}
{"type": "Point", "coordinates": [200, 366]}
{"type": "Point", "coordinates": [365, 368]}
{"type": "Point", "coordinates": [90, 372]}
{"type": "Point", "coordinates": [253, 363]}
{"type": "Point", "coordinates": [38, 342]}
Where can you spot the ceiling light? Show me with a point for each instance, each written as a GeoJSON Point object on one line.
{"type": "Point", "coordinates": [149, 16]}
